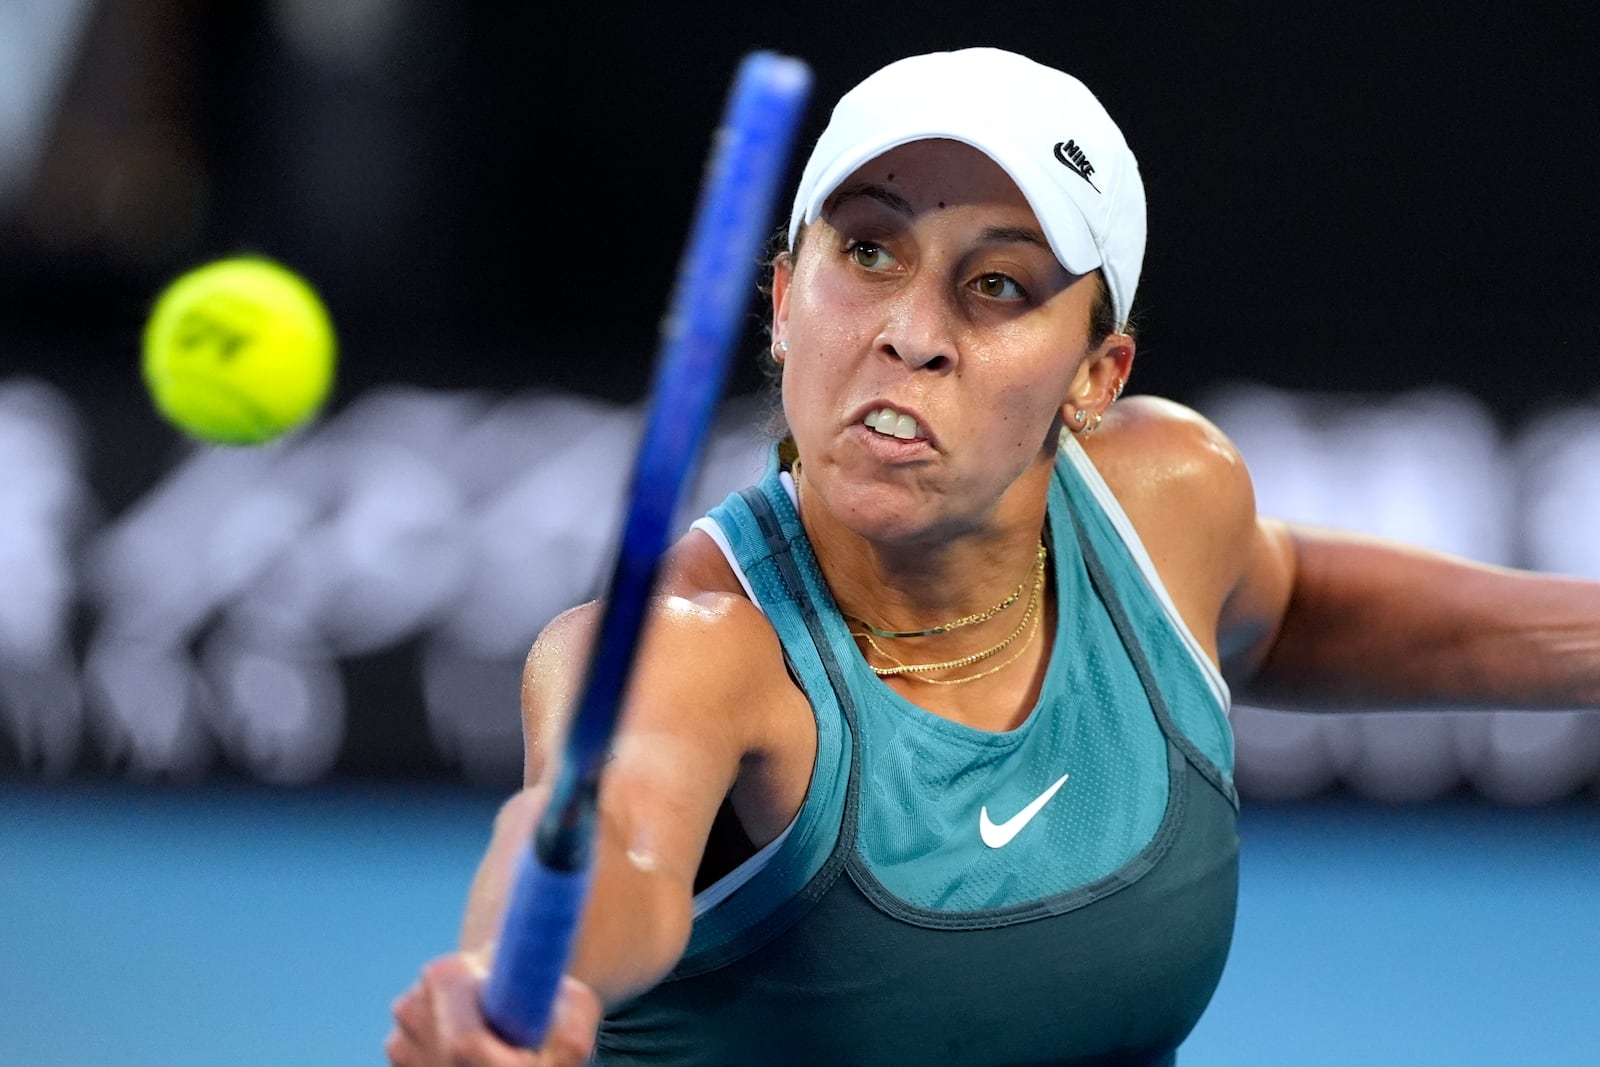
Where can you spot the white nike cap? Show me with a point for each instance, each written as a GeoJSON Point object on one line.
{"type": "Point", "coordinates": [1042, 126]}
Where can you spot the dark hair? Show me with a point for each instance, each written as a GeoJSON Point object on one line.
{"type": "Point", "coordinates": [777, 426]}
{"type": "Point", "coordinates": [1102, 324]}
{"type": "Point", "coordinates": [1102, 317]}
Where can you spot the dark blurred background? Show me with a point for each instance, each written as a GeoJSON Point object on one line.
{"type": "Point", "coordinates": [492, 198]}
{"type": "Point", "coordinates": [1339, 197]}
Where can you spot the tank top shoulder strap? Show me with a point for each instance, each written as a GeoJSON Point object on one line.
{"type": "Point", "coordinates": [1192, 702]}
{"type": "Point", "coordinates": [762, 532]}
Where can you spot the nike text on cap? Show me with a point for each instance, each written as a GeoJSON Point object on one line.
{"type": "Point", "coordinates": [1042, 126]}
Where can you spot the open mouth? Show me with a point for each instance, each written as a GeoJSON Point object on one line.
{"type": "Point", "coordinates": [892, 423]}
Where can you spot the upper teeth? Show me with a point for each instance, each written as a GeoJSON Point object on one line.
{"type": "Point", "coordinates": [886, 420]}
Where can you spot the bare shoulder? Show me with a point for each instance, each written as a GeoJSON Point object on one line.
{"type": "Point", "coordinates": [1188, 493]}
{"type": "Point", "coordinates": [709, 718]}
{"type": "Point", "coordinates": [1150, 445]}
{"type": "Point", "coordinates": [706, 656]}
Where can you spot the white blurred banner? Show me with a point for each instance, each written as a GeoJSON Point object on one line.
{"type": "Point", "coordinates": [210, 623]}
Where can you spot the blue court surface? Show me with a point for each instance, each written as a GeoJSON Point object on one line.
{"type": "Point", "coordinates": [244, 925]}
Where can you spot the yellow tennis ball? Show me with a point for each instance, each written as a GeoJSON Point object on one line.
{"type": "Point", "coordinates": [239, 351]}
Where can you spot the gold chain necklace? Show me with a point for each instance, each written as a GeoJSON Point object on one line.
{"type": "Point", "coordinates": [996, 669]}
{"type": "Point", "coordinates": [915, 671]}
{"type": "Point", "coordinates": [965, 620]}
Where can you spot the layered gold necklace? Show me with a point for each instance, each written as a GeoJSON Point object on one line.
{"type": "Point", "coordinates": [1028, 625]}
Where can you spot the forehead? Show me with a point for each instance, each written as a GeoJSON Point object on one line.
{"type": "Point", "coordinates": [933, 173]}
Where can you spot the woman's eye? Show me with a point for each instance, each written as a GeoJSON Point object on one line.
{"type": "Point", "coordinates": [870, 256]}
{"type": "Point", "coordinates": [999, 287]}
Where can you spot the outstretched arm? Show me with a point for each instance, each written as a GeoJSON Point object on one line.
{"type": "Point", "coordinates": [662, 784]}
{"type": "Point", "coordinates": [1348, 620]}
{"type": "Point", "coordinates": [678, 749]}
{"type": "Point", "coordinates": [1362, 621]}
{"type": "Point", "coordinates": [1314, 618]}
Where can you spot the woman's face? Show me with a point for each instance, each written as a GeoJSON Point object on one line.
{"type": "Point", "coordinates": [933, 339]}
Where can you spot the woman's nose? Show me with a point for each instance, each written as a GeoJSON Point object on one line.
{"type": "Point", "coordinates": [917, 331]}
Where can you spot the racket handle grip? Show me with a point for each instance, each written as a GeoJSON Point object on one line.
{"type": "Point", "coordinates": [535, 942]}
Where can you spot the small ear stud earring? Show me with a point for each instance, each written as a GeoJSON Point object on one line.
{"type": "Point", "coordinates": [1080, 416]}
{"type": "Point", "coordinates": [778, 349]}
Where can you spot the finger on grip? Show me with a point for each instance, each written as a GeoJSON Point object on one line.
{"type": "Point", "coordinates": [533, 949]}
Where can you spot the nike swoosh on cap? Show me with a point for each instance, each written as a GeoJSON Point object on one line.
{"type": "Point", "coordinates": [1000, 835]}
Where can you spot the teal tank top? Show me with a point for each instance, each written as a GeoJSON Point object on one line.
{"type": "Point", "coordinates": [1061, 893]}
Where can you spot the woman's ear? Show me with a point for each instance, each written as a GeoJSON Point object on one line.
{"type": "Point", "coordinates": [1115, 365]}
{"type": "Point", "coordinates": [782, 275]}
{"type": "Point", "coordinates": [1098, 383]}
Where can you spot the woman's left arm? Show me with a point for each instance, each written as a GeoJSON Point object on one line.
{"type": "Point", "coordinates": [1332, 619]}
{"type": "Point", "coordinates": [1306, 617]}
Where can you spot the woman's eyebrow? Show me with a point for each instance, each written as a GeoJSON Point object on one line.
{"type": "Point", "coordinates": [900, 205]}
{"type": "Point", "coordinates": [1013, 235]}
{"type": "Point", "coordinates": [893, 201]}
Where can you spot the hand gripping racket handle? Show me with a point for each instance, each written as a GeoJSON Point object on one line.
{"type": "Point", "coordinates": [749, 157]}
{"type": "Point", "coordinates": [535, 943]}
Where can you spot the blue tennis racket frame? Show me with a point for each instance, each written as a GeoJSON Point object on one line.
{"type": "Point", "coordinates": [749, 158]}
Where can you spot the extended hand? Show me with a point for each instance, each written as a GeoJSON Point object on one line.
{"type": "Point", "coordinates": [438, 1023]}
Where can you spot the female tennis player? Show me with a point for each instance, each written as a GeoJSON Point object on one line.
{"type": "Point", "coordinates": [927, 758]}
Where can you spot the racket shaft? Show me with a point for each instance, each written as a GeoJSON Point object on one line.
{"type": "Point", "coordinates": [703, 323]}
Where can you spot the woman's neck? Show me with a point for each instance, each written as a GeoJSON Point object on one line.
{"type": "Point", "coordinates": [938, 611]}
